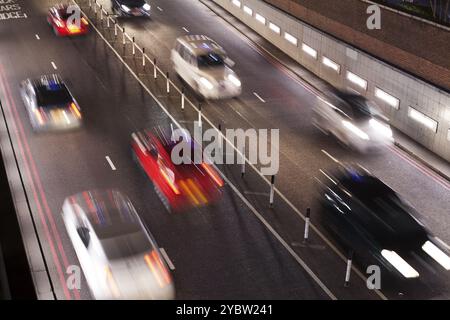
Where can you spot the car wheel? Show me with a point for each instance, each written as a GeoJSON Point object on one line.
{"type": "Point", "coordinates": [163, 198]}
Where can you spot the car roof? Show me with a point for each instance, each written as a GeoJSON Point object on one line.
{"type": "Point", "coordinates": [109, 212]}
{"type": "Point", "coordinates": [201, 45]}
{"type": "Point", "coordinates": [386, 216]}
{"type": "Point", "coordinates": [49, 82]}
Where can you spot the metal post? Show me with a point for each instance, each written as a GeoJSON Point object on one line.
{"type": "Point", "coordinates": [154, 68]}
{"type": "Point", "coordinates": [199, 114]}
{"type": "Point", "coordinates": [115, 30]}
{"type": "Point", "coordinates": [90, 4]}
{"type": "Point", "coordinates": [134, 47]}
{"type": "Point", "coordinates": [95, 8]}
{"type": "Point", "coordinates": [143, 57]}
{"type": "Point", "coordinates": [107, 20]}
{"type": "Point", "coordinates": [272, 190]}
{"type": "Point", "coordinates": [349, 269]}
{"type": "Point", "coordinates": [167, 83]}
{"type": "Point", "coordinates": [182, 98]}
{"type": "Point", "coordinates": [220, 137]}
{"type": "Point", "coordinates": [307, 221]}
{"type": "Point", "coordinates": [123, 36]}
{"type": "Point", "coordinates": [101, 12]}
{"type": "Point", "coordinates": [243, 162]}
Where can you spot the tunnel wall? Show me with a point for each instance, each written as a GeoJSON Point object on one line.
{"type": "Point", "coordinates": [423, 111]}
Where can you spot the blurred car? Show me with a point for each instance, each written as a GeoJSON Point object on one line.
{"type": "Point", "coordinates": [367, 216]}
{"type": "Point", "coordinates": [63, 20]}
{"type": "Point", "coordinates": [352, 119]}
{"type": "Point", "coordinates": [205, 67]}
{"type": "Point", "coordinates": [131, 8]}
{"type": "Point", "coordinates": [119, 257]}
{"type": "Point", "coordinates": [49, 104]}
{"type": "Point", "coordinates": [179, 186]}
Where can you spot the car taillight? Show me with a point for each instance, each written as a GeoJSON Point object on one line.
{"type": "Point", "coordinates": [75, 110]}
{"type": "Point", "coordinates": [170, 182]}
{"type": "Point", "coordinates": [213, 174]}
{"type": "Point", "coordinates": [39, 115]}
{"type": "Point", "coordinates": [111, 282]}
{"type": "Point", "coordinates": [157, 268]}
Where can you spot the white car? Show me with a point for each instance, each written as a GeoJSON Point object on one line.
{"type": "Point", "coordinates": [205, 67]}
{"type": "Point", "coordinates": [352, 119]}
{"type": "Point", "coordinates": [49, 104]}
{"type": "Point", "coordinates": [119, 258]}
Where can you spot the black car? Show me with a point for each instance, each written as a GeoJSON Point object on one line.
{"type": "Point", "coordinates": [371, 219]}
{"type": "Point", "coordinates": [131, 8]}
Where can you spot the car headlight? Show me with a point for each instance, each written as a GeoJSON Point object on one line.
{"type": "Point", "coordinates": [437, 254]}
{"type": "Point", "coordinates": [206, 83]}
{"type": "Point", "coordinates": [146, 7]}
{"type": "Point", "coordinates": [354, 129]}
{"type": "Point", "coordinates": [399, 263]}
{"type": "Point", "coordinates": [125, 8]}
{"type": "Point", "coordinates": [234, 80]}
{"type": "Point", "coordinates": [383, 129]}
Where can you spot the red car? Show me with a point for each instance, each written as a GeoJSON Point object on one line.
{"type": "Point", "coordinates": [182, 186]}
{"type": "Point", "coordinates": [66, 22]}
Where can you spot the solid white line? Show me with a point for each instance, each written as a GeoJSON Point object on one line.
{"type": "Point", "coordinates": [259, 97]}
{"type": "Point", "coordinates": [184, 28]}
{"type": "Point", "coordinates": [166, 257]}
{"type": "Point", "coordinates": [54, 66]}
{"type": "Point", "coordinates": [330, 156]}
{"type": "Point", "coordinates": [111, 164]}
{"type": "Point", "coordinates": [160, 9]}
{"type": "Point", "coordinates": [321, 235]}
{"type": "Point", "coordinates": [37, 37]}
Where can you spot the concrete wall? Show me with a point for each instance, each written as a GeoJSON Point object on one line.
{"type": "Point", "coordinates": [402, 41]}
{"type": "Point", "coordinates": [411, 92]}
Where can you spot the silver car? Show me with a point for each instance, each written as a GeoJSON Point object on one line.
{"type": "Point", "coordinates": [353, 120]}
{"type": "Point", "coordinates": [119, 257]}
{"type": "Point", "coordinates": [49, 104]}
{"type": "Point", "coordinates": [205, 67]}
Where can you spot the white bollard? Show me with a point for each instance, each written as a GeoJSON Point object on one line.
{"type": "Point", "coordinates": [272, 191]}
{"type": "Point", "coordinates": [243, 162]}
{"type": "Point", "coordinates": [143, 57]}
{"type": "Point", "coordinates": [167, 83]}
{"type": "Point", "coordinates": [307, 221]}
{"type": "Point", "coordinates": [182, 98]}
{"type": "Point", "coordinates": [349, 269]}
{"type": "Point", "coordinates": [199, 115]}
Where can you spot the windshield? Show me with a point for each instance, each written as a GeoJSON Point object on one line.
{"type": "Point", "coordinates": [210, 60]}
{"type": "Point", "coordinates": [133, 3]}
{"type": "Point", "coordinates": [53, 96]}
{"type": "Point", "coordinates": [65, 13]}
{"type": "Point", "coordinates": [360, 107]}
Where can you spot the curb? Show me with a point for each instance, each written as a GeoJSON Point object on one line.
{"type": "Point", "coordinates": [422, 161]}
